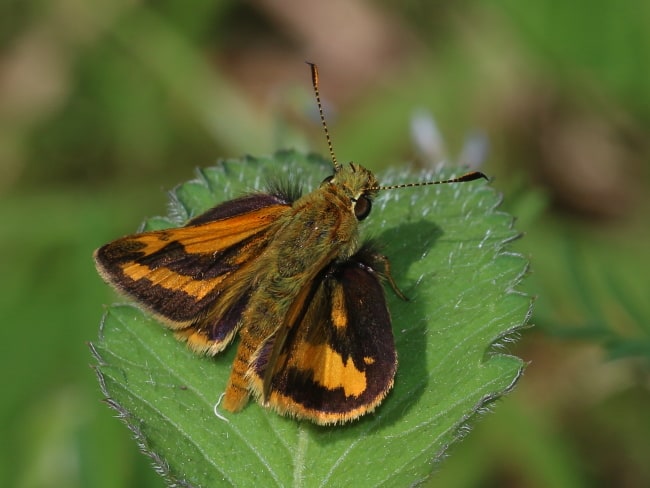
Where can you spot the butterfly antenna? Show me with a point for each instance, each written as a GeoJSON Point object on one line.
{"type": "Point", "coordinates": [474, 175]}
{"type": "Point", "coordinates": [314, 82]}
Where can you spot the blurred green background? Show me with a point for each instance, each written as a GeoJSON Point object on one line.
{"type": "Point", "coordinates": [104, 105]}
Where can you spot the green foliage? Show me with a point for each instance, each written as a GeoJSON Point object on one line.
{"type": "Point", "coordinates": [448, 247]}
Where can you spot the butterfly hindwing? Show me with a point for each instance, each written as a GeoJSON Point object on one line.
{"type": "Point", "coordinates": [339, 360]}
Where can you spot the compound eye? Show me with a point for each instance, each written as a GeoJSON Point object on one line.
{"type": "Point", "coordinates": [362, 207]}
{"type": "Point", "coordinates": [327, 180]}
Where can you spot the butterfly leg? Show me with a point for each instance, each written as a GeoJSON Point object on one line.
{"type": "Point", "coordinates": [368, 257]}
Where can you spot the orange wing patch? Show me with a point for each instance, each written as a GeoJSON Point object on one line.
{"type": "Point", "coordinates": [171, 280]}
{"type": "Point", "coordinates": [330, 370]}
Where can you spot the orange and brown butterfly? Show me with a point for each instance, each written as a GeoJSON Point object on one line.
{"type": "Point", "coordinates": [290, 275]}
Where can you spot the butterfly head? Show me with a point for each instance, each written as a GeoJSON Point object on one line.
{"type": "Point", "coordinates": [358, 184]}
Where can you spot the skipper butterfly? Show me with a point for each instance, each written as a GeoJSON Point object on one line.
{"type": "Point", "coordinates": [288, 274]}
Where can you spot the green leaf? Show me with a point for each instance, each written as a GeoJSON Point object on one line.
{"type": "Point", "coordinates": [448, 247]}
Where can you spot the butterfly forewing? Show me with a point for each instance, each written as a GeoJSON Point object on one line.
{"type": "Point", "coordinates": [183, 274]}
{"type": "Point", "coordinates": [339, 361]}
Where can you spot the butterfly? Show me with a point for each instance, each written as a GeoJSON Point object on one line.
{"type": "Point", "coordinates": [290, 275]}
